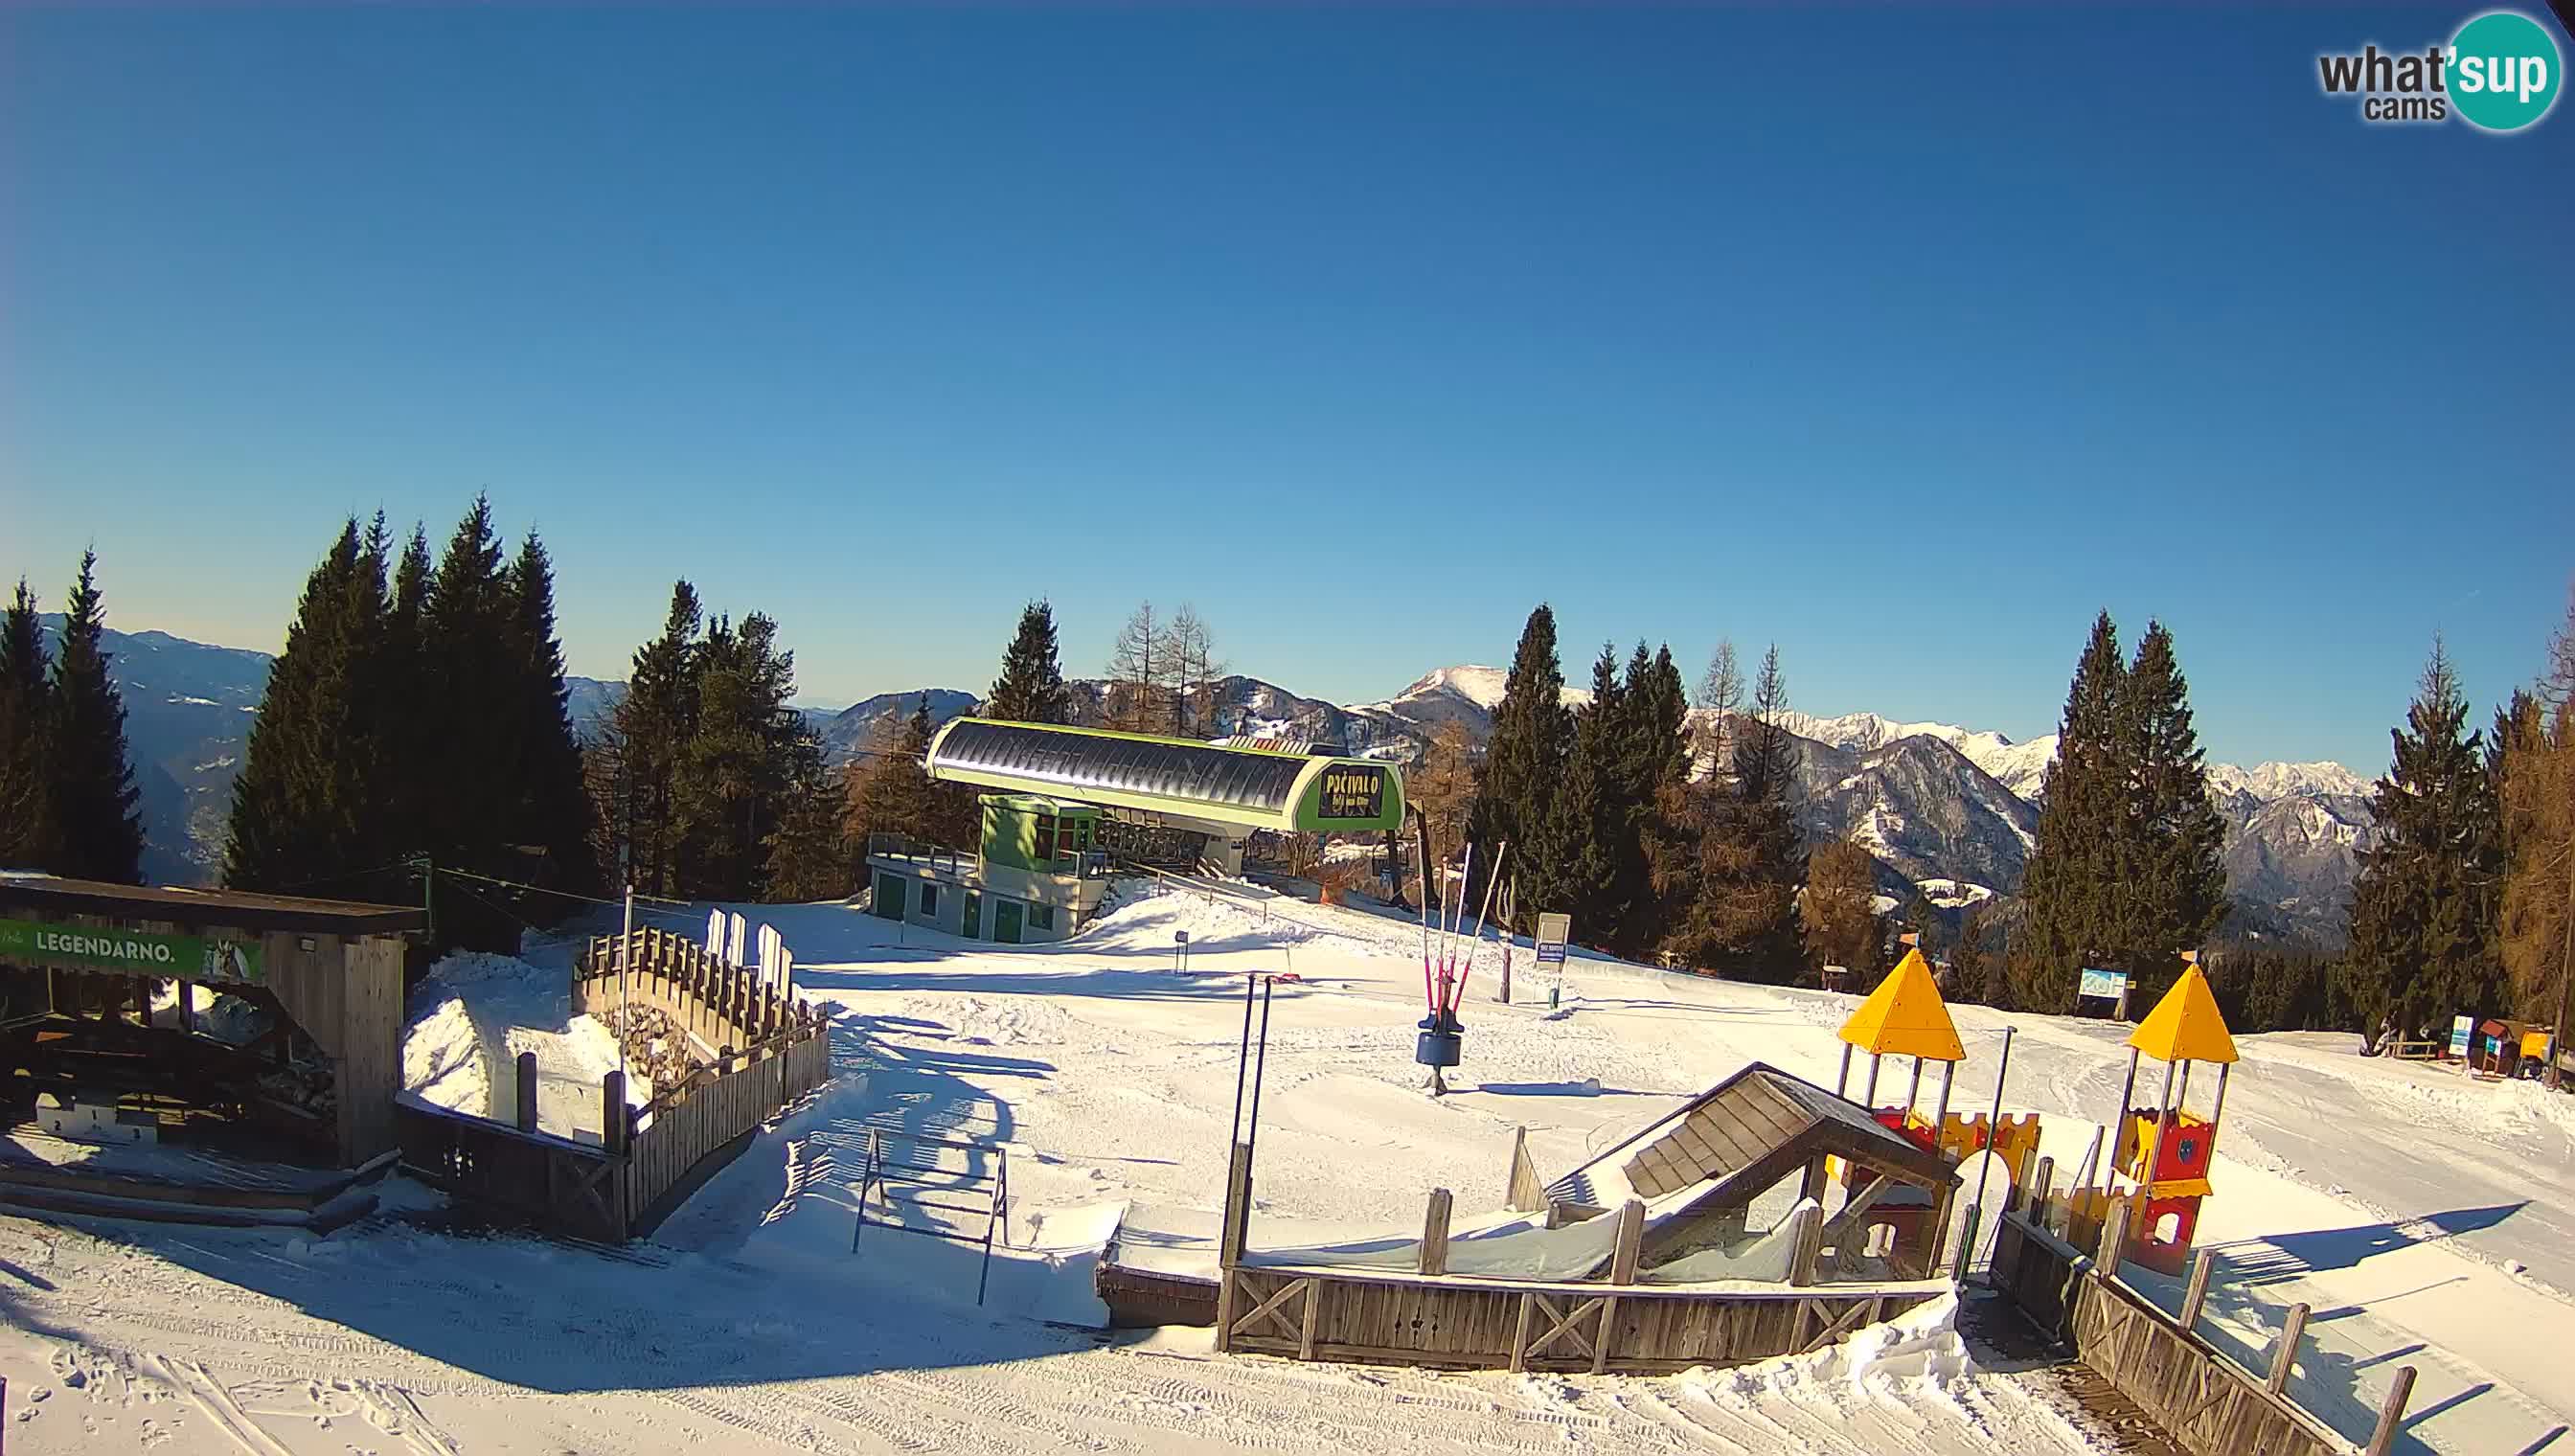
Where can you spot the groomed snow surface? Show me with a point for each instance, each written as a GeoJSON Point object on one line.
{"type": "Point", "coordinates": [2426, 1220]}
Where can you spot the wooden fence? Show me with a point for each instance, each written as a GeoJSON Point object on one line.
{"type": "Point", "coordinates": [574, 1189]}
{"type": "Point", "coordinates": [1452, 1322]}
{"type": "Point", "coordinates": [773, 1051]}
{"type": "Point", "coordinates": [725, 1006]}
{"type": "Point", "coordinates": [2200, 1396]}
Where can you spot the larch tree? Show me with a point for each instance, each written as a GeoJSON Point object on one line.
{"type": "Point", "coordinates": [1444, 787]}
{"type": "Point", "coordinates": [99, 832]}
{"type": "Point", "coordinates": [1141, 674]}
{"type": "Point", "coordinates": [1031, 687]}
{"type": "Point", "coordinates": [1190, 646]}
{"type": "Point", "coordinates": [2534, 772]}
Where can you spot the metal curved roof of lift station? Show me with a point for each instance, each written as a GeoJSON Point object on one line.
{"type": "Point", "coordinates": [1249, 788]}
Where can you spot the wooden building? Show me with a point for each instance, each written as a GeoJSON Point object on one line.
{"type": "Point", "coordinates": [81, 963]}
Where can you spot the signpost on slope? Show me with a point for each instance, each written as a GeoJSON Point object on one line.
{"type": "Point", "coordinates": [1554, 930]}
{"type": "Point", "coordinates": [2103, 986]}
{"type": "Point", "coordinates": [2463, 1030]}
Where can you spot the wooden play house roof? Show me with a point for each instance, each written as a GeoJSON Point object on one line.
{"type": "Point", "coordinates": [1905, 1016]}
{"type": "Point", "coordinates": [2186, 1024]}
{"type": "Point", "coordinates": [1743, 1135]}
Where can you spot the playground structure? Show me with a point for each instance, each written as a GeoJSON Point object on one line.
{"type": "Point", "coordinates": [2164, 1152]}
{"type": "Point", "coordinates": [1905, 1016]}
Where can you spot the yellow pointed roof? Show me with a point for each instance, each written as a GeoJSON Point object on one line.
{"type": "Point", "coordinates": [1905, 1016]}
{"type": "Point", "coordinates": [2186, 1024]}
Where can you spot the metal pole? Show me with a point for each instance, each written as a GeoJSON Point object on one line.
{"type": "Point", "coordinates": [625, 1016]}
{"type": "Point", "coordinates": [1939, 1120]}
{"type": "Point", "coordinates": [1985, 1170]}
{"type": "Point", "coordinates": [2554, 1078]}
{"type": "Point", "coordinates": [1842, 1079]}
{"type": "Point", "coordinates": [1869, 1098]}
{"type": "Point", "coordinates": [2217, 1111]}
{"type": "Point", "coordinates": [1913, 1093]}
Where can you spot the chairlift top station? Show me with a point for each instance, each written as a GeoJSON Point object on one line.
{"type": "Point", "coordinates": [1217, 789]}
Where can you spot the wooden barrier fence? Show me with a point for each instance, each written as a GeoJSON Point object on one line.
{"type": "Point", "coordinates": [723, 1006]}
{"type": "Point", "coordinates": [773, 1050]}
{"type": "Point", "coordinates": [2199, 1395]}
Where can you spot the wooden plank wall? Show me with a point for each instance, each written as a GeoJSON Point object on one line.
{"type": "Point", "coordinates": [346, 994]}
{"type": "Point", "coordinates": [698, 1120]}
{"type": "Point", "coordinates": [369, 1075]}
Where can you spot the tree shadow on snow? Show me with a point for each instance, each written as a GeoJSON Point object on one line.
{"type": "Point", "coordinates": [2281, 1256]}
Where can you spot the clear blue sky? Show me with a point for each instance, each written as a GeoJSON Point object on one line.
{"type": "Point", "coordinates": [1906, 340]}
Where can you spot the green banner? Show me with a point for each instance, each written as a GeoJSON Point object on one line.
{"type": "Point", "coordinates": [138, 952]}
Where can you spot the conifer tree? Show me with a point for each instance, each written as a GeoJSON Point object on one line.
{"type": "Point", "coordinates": [308, 802]}
{"type": "Point", "coordinates": [1732, 867]}
{"type": "Point", "coordinates": [734, 771]}
{"type": "Point", "coordinates": [809, 851]}
{"type": "Point", "coordinates": [650, 730]}
{"type": "Point", "coordinates": [2071, 890]}
{"type": "Point", "coordinates": [2173, 876]}
{"type": "Point", "coordinates": [27, 821]}
{"type": "Point", "coordinates": [551, 814]}
{"type": "Point", "coordinates": [472, 717]}
{"type": "Point", "coordinates": [1976, 972]}
{"type": "Point", "coordinates": [1840, 912]}
{"type": "Point", "coordinates": [99, 832]}
{"type": "Point", "coordinates": [1573, 856]}
{"type": "Point", "coordinates": [1031, 687]}
{"type": "Point", "coordinates": [1531, 741]}
{"type": "Point", "coordinates": [2534, 772]}
{"type": "Point", "coordinates": [2424, 910]}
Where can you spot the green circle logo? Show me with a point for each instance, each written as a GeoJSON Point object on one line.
{"type": "Point", "coordinates": [2504, 71]}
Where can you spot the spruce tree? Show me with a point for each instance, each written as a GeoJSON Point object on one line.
{"type": "Point", "coordinates": [27, 818]}
{"type": "Point", "coordinates": [734, 774]}
{"type": "Point", "coordinates": [2071, 892]}
{"type": "Point", "coordinates": [550, 816]}
{"type": "Point", "coordinates": [809, 853]}
{"type": "Point", "coordinates": [650, 729]}
{"type": "Point", "coordinates": [1031, 687]}
{"type": "Point", "coordinates": [98, 828]}
{"type": "Point", "coordinates": [2173, 841]}
{"type": "Point", "coordinates": [2425, 911]}
{"type": "Point", "coordinates": [1839, 911]}
{"type": "Point", "coordinates": [1574, 856]}
{"type": "Point", "coordinates": [305, 799]}
{"type": "Point", "coordinates": [473, 720]}
{"type": "Point", "coordinates": [1531, 739]}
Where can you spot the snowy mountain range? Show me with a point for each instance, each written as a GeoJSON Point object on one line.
{"type": "Point", "coordinates": [1931, 801]}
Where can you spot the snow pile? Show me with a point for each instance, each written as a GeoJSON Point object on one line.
{"type": "Point", "coordinates": [443, 1061]}
{"type": "Point", "coordinates": [1918, 1353]}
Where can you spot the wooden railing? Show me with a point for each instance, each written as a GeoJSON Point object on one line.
{"type": "Point", "coordinates": [726, 1006]}
{"type": "Point", "coordinates": [574, 1189]}
{"type": "Point", "coordinates": [771, 1050]}
{"type": "Point", "coordinates": [2200, 1394]}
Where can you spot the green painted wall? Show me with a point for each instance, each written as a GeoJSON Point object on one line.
{"type": "Point", "coordinates": [1010, 831]}
{"type": "Point", "coordinates": [1347, 795]}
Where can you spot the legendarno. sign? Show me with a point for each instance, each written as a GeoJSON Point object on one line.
{"type": "Point", "coordinates": [192, 957]}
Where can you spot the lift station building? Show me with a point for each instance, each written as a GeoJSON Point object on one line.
{"type": "Point", "coordinates": [1063, 805]}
